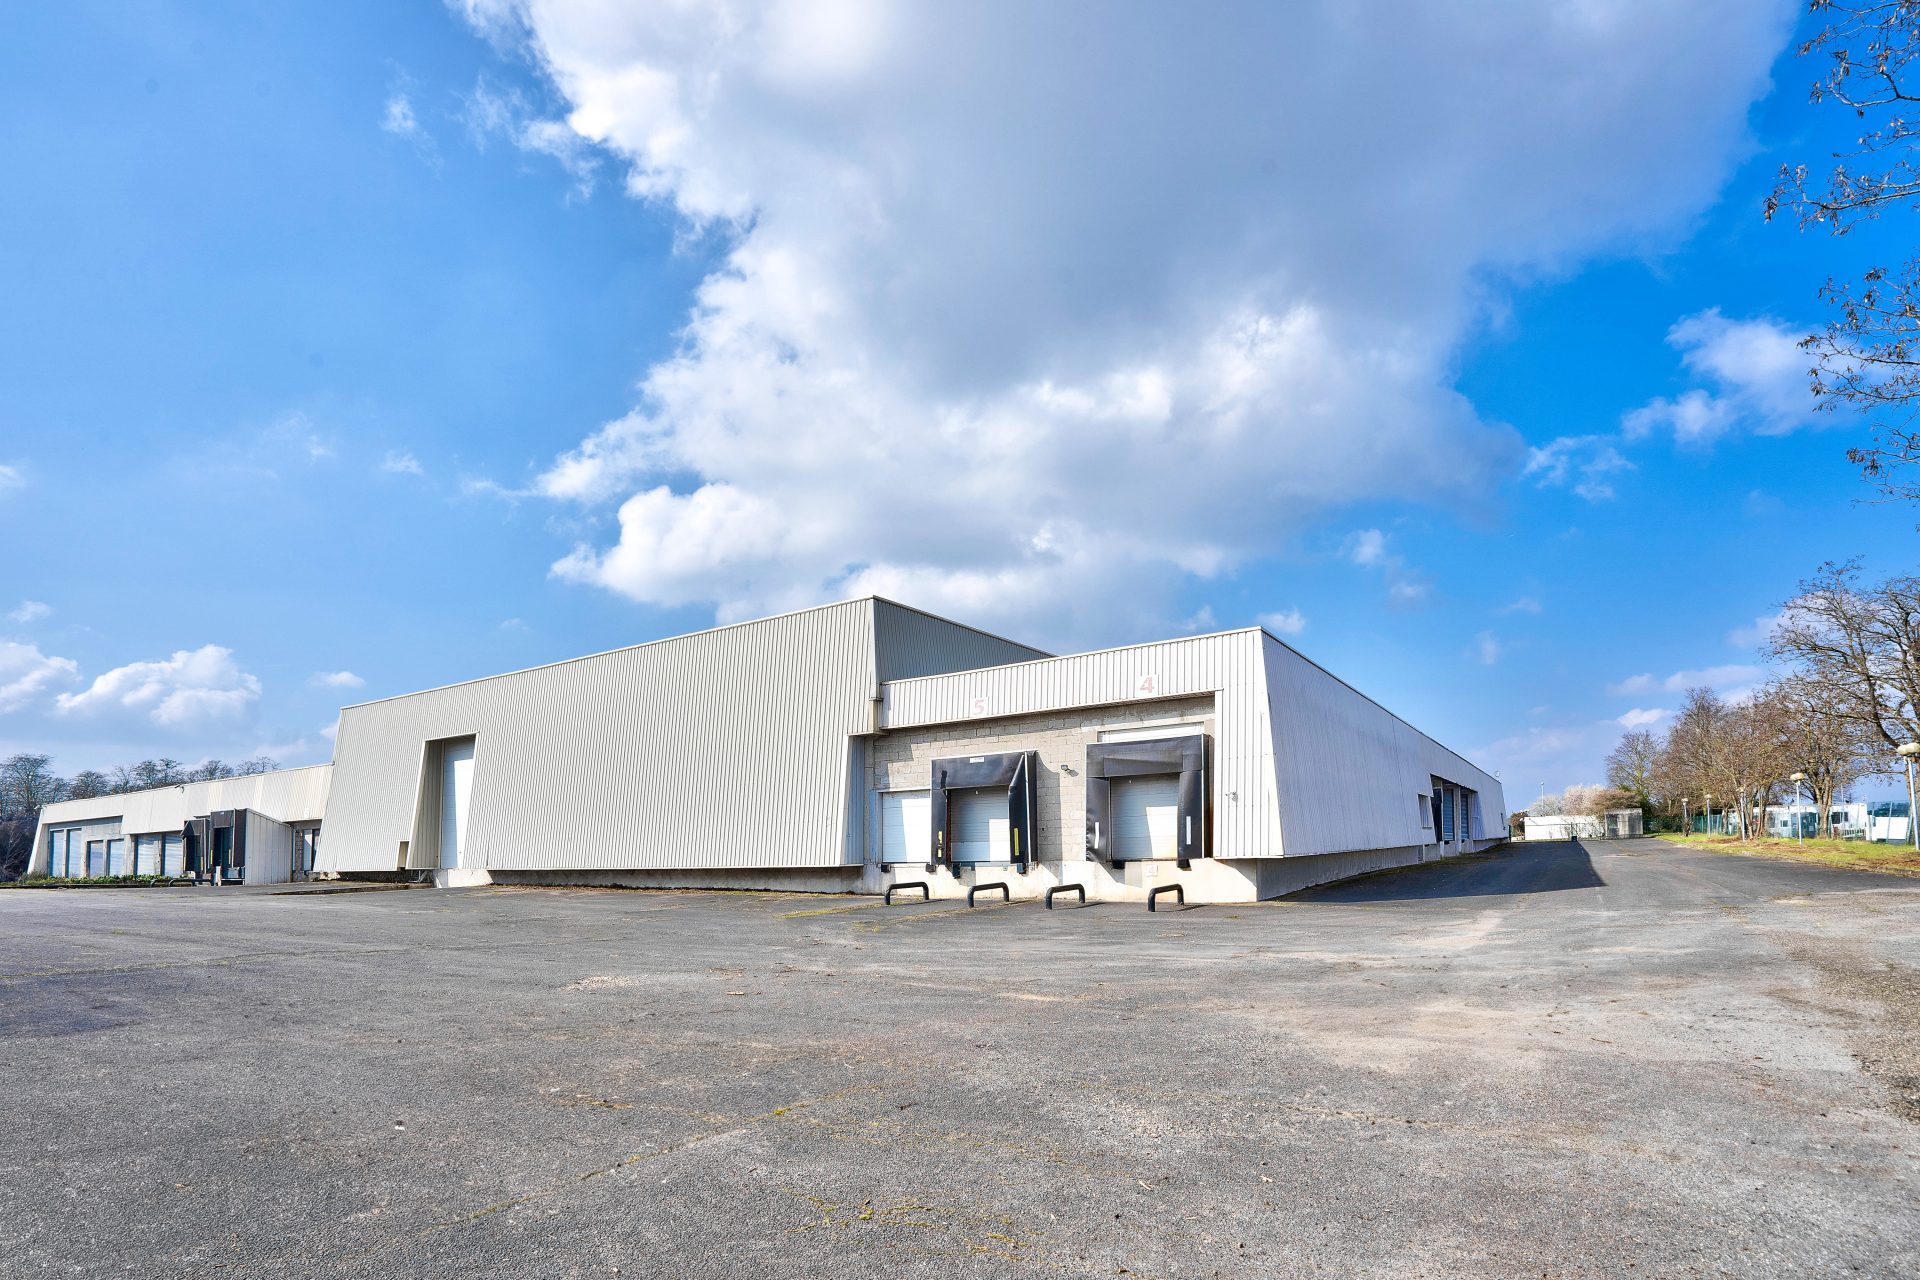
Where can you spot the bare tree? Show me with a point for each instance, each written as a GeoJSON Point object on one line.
{"type": "Point", "coordinates": [1634, 766]}
{"type": "Point", "coordinates": [28, 782]}
{"type": "Point", "coordinates": [256, 764]}
{"type": "Point", "coordinates": [1756, 756]}
{"type": "Point", "coordinates": [1693, 763]}
{"type": "Point", "coordinates": [1857, 649]}
{"type": "Point", "coordinates": [1835, 752]}
{"type": "Point", "coordinates": [89, 783]}
{"type": "Point", "coordinates": [1867, 358]}
{"type": "Point", "coordinates": [1589, 801]}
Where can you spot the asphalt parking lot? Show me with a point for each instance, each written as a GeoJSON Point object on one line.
{"type": "Point", "coordinates": [1617, 1059]}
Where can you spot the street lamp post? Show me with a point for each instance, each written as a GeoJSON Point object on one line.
{"type": "Point", "coordinates": [1907, 751]}
{"type": "Point", "coordinates": [1707, 796]}
{"type": "Point", "coordinates": [1799, 827]}
{"type": "Point", "coordinates": [1686, 815]}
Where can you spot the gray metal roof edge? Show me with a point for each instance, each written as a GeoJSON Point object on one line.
{"type": "Point", "coordinates": [979, 631]}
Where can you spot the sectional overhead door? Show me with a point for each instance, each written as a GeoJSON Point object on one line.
{"type": "Point", "coordinates": [1146, 816]}
{"type": "Point", "coordinates": [906, 827]}
{"type": "Point", "coordinates": [980, 824]}
{"type": "Point", "coordinates": [146, 855]}
{"type": "Point", "coordinates": [173, 855]}
{"type": "Point", "coordinates": [64, 857]}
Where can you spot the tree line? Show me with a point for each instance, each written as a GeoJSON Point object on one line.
{"type": "Point", "coordinates": [28, 782]}
{"type": "Point", "coordinates": [1846, 698]}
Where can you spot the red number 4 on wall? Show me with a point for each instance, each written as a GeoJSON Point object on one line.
{"type": "Point", "coordinates": [1147, 686]}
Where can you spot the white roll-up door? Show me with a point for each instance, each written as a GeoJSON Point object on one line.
{"type": "Point", "coordinates": [1146, 816]}
{"type": "Point", "coordinates": [906, 821]}
{"type": "Point", "coordinates": [981, 828]}
{"type": "Point", "coordinates": [456, 786]}
{"type": "Point", "coordinates": [173, 856]}
{"type": "Point", "coordinates": [146, 855]}
{"type": "Point", "coordinates": [116, 857]}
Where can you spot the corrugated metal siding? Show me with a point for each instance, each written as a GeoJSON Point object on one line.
{"type": "Point", "coordinates": [1229, 666]}
{"type": "Point", "coordinates": [727, 748]}
{"type": "Point", "coordinates": [289, 795]}
{"type": "Point", "coordinates": [269, 850]}
{"type": "Point", "coordinates": [910, 643]}
{"type": "Point", "coordinates": [1348, 770]}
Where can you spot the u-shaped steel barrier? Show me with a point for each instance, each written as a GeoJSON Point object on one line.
{"type": "Point", "coordinates": [1006, 894]}
{"type": "Point", "coordinates": [926, 890]}
{"type": "Point", "coordinates": [1153, 895]}
{"type": "Point", "coordinates": [1067, 888]}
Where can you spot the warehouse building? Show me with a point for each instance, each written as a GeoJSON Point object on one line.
{"type": "Point", "coordinates": [865, 745]}
{"type": "Point", "coordinates": [260, 829]}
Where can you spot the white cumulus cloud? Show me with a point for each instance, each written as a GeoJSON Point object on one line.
{"type": "Point", "coordinates": [1026, 310]}
{"type": "Point", "coordinates": [399, 119]}
{"type": "Point", "coordinates": [1728, 679]}
{"type": "Point", "coordinates": [1290, 622]}
{"type": "Point", "coordinates": [1641, 717]}
{"type": "Point", "coordinates": [26, 673]}
{"type": "Point", "coordinates": [31, 611]}
{"type": "Point", "coordinates": [335, 680]}
{"type": "Point", "coordinates": [1756, 375]}
{"type": "Point", "coordinates": [11, 477]}
{"type": "Point", "coordinates": [193, 685]}
{"type": "Point", "coordinates": [1586, 464]}
{"type": "Point", "coordinates": [400, 462]}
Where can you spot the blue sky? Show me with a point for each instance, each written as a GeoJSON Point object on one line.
{"type": "Point", "coordinates": [361, 348]}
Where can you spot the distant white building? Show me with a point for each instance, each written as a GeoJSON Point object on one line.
{"type": "Point", "coordinates": [1614, 824]}
{"type": "Point", "coordinates": [1883, 821]}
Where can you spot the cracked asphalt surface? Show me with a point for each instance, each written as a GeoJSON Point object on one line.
{"type": "Point", "coordinates": [1557, 1060]}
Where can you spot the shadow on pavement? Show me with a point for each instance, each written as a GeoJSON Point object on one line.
{"type": "Point", "coordinates": [1514, 868]}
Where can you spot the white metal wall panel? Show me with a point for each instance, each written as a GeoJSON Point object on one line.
{"type": "Point", "coordinates": [726, 748]}
{"type": "Point", "coordinates": [981, 827]}
{"type": "Point", "coordinates": [906, 822]}
{"type": "Point", "coordinates": [1229, 666]}
{"type": "Point", "coordinates": [1146, 815]}
{"type": "Point", "coordinates": [269, 850]}
{"type": "Point", "coordinates": [1348, 769]}
{"type": "Point", "coordinates": [1304, 763]}
{"type": "Point", "coordinates": [290, 795]}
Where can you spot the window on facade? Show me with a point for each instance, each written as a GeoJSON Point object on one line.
{"type": "Point", "coordinates": [1421, 803]}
